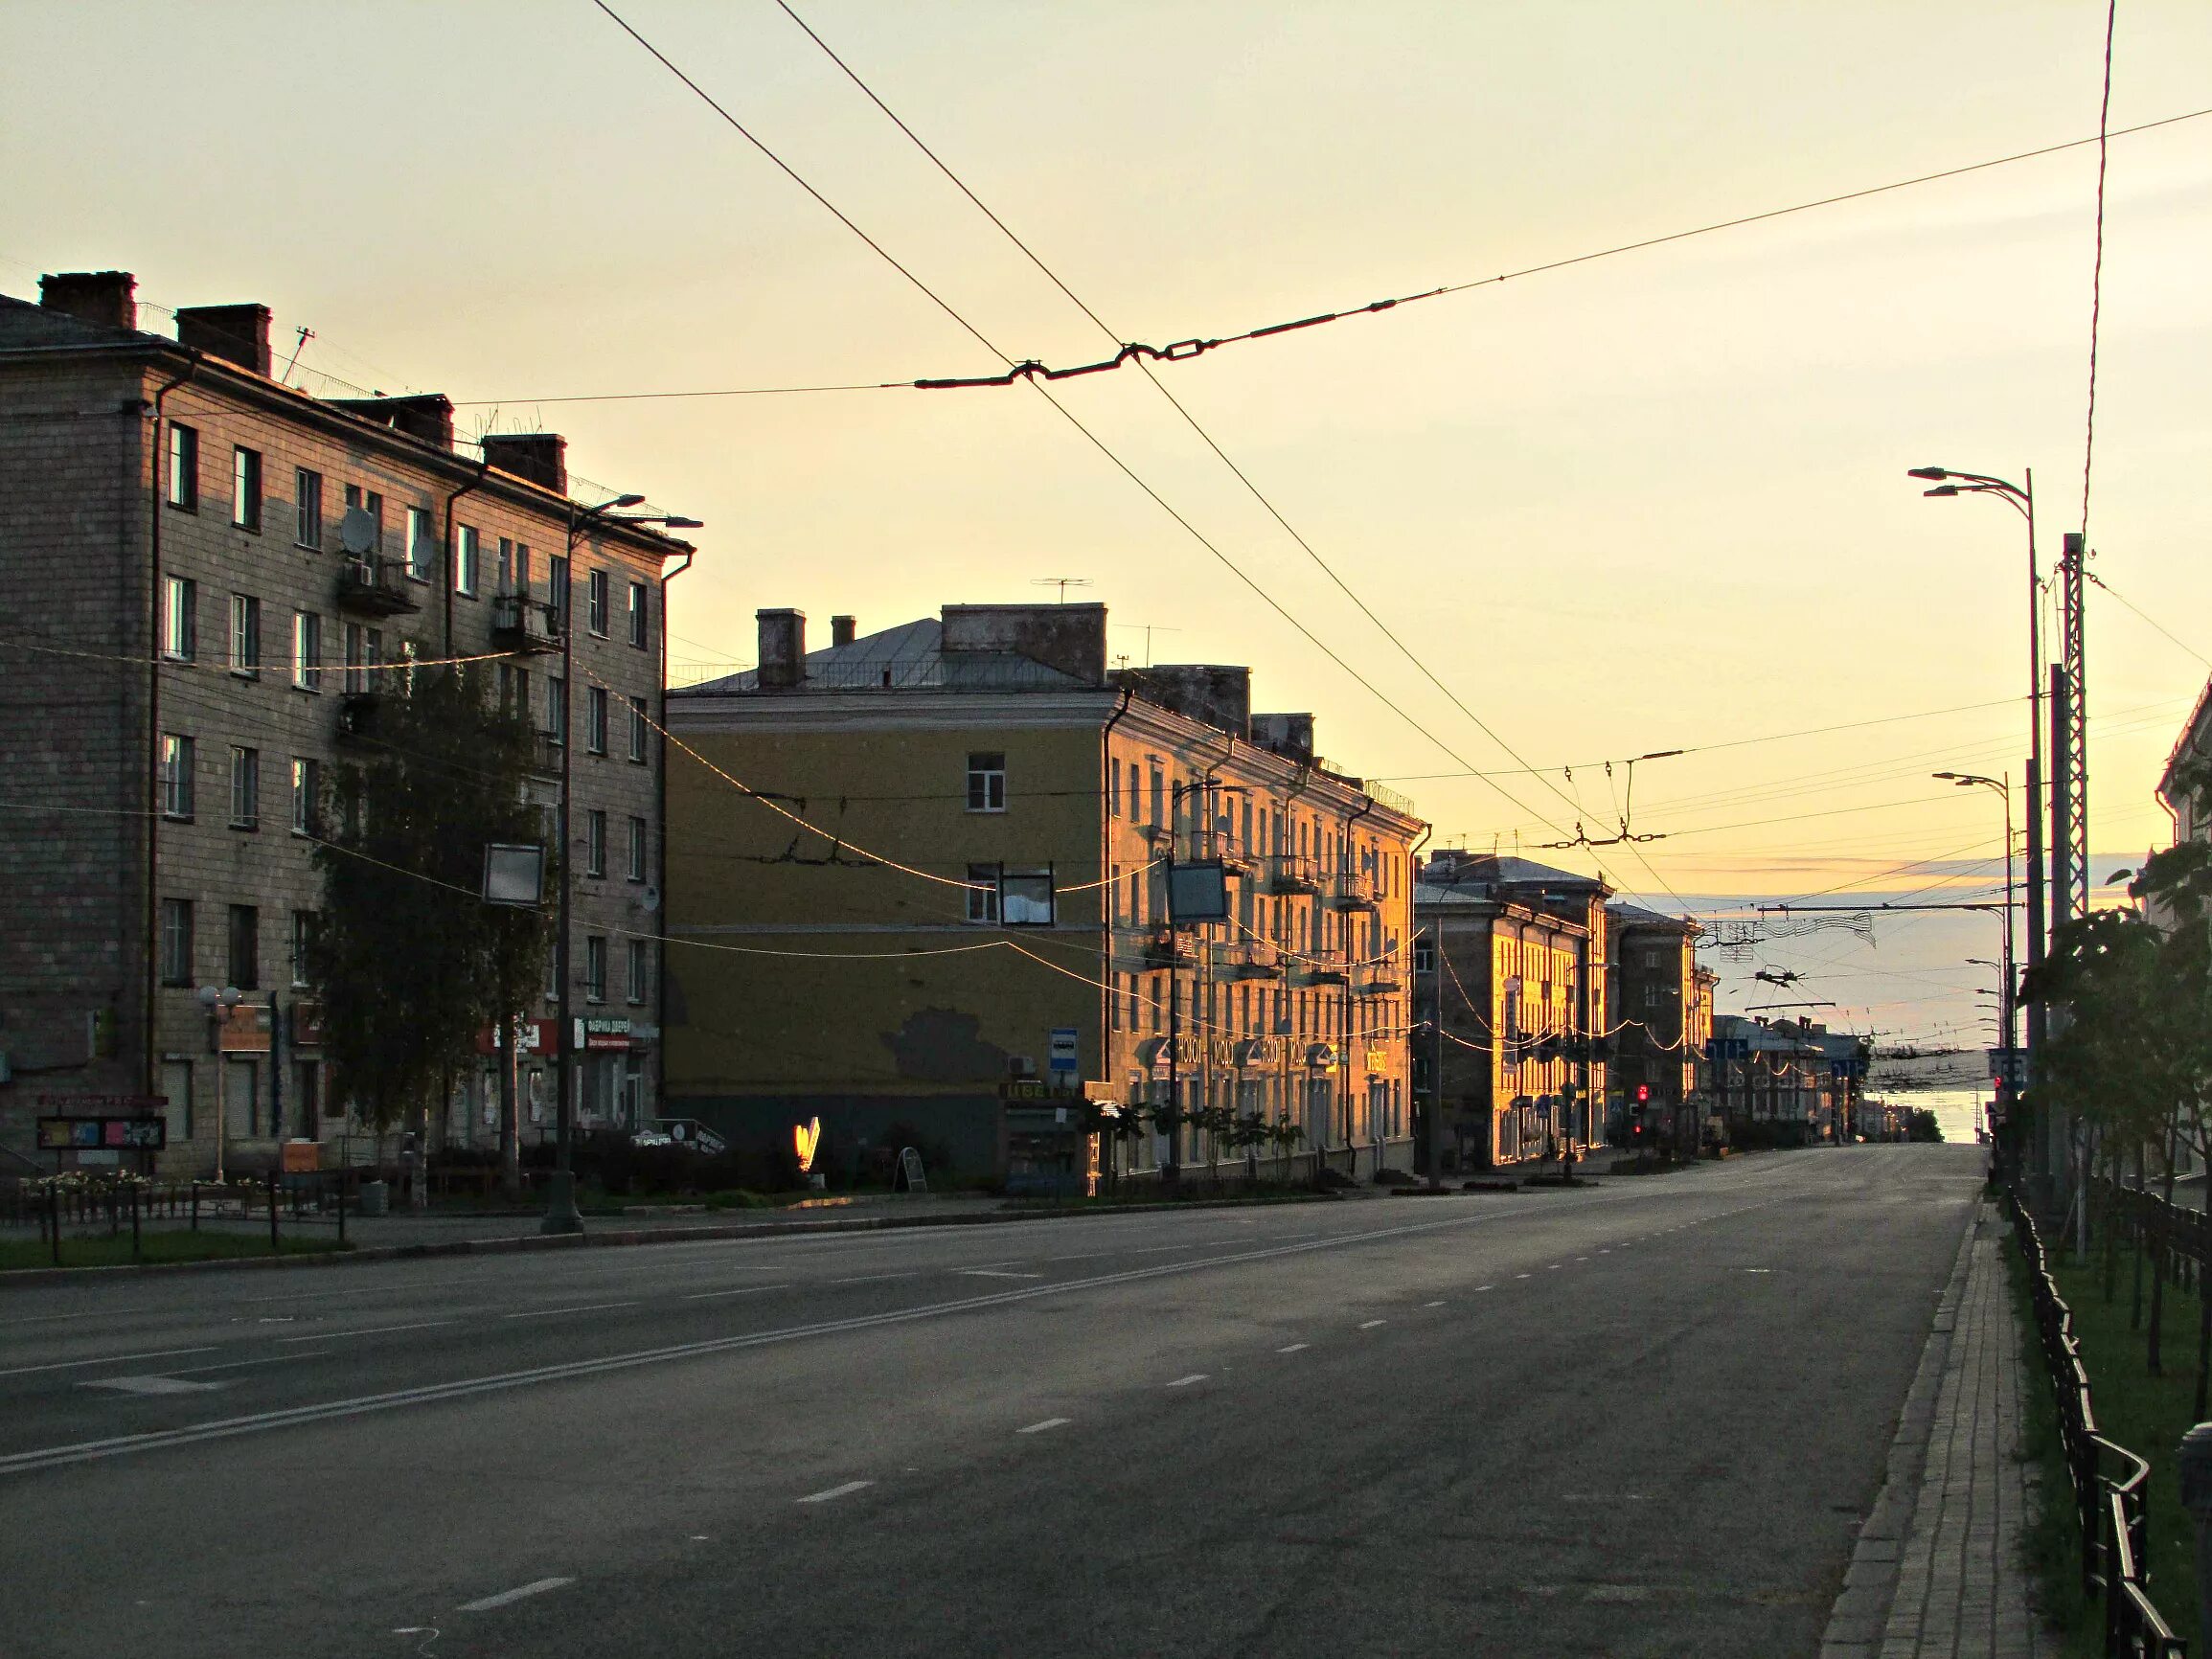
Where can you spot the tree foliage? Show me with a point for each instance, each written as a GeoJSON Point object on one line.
{"type": "Point", "coordinates": [411, 964]}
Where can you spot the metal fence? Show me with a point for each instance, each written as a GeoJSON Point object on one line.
{"type": "Point", "coordinates": [284, 1202]}
{"type": "Point", "coordinates": [2108, 1480]}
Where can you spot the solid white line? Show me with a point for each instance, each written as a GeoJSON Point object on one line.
{"type": "Point", "coordinates": [537, 1588]}
{"type": "Point", "coordinates": [242, 1364]}
{"type": "Point", "coordinates": [1371, 1323]}
{"type": "Point", "coordinates": [994, 1273]}
{"type": "Point", "coordinates": [823, 1497]}
{"type": "Point", "coordinates": [747, 1290]}
{"type": "Point", "coordinates": [110, 1359]}
{"type": "Point", "coordinates": [555, 1312]}
{"type": "Point", "coordinates": [867, 1279]}
{"type": "Point", "coordinates": [1186, 1381]}
{"type": "Point", "coordinates": [371, 1330]}
{"type": "Point", "coordinates": [1048, 1422]}
{"type": "Point", "coordinates": [1294, 1348]}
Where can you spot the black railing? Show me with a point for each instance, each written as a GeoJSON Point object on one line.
{"type": "Point", "coordinates": [2108, 1480]}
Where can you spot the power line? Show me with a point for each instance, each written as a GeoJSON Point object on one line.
{"type": "Point", "coordinates": [2097, 270]}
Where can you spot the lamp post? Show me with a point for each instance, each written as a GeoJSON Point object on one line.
{"type": "Point", "coordinates": [218, 1001]}
{"type": "Point", "coordinates": [561, 1214]}
{"type": "Point", "coordinates": [2010, 985]}
{"type": "Point", "coordinates": [1177, 793]}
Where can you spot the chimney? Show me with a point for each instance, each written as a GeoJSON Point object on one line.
{"type": "Point", "coordinates": [235, 333]}
{"type": "Point", "coordinates": [427, 416]}
{"type": "Point", "coordinates": [106, 297]}
{"type": "Point", "coordinates": [1288, 735]}
{"type": "Point", "coordinates": [540, 457]}
{"type": "Point", "coordinates": [1219, 695]}
{"type": "Point", "coordinates": [783, 663]}
{"type": "Point", "coordinates": [841, 629]}
{"type": "Point", "coordinates": [1069, 638]}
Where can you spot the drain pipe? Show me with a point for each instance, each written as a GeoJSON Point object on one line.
{"type": "Point", "coordinates": [475, 482]}
{"type": "Point", "coordinates": [155, 502]}
{"type": "Point", "coordinates": [661, 862]}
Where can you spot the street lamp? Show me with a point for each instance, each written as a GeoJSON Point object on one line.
{"type": "Point", "coordinates": [218, 1002]}
{"type": "Point", "coordinates": [2004, 787]}
{"type": "Point", "coordinates": [1202, 787]}
{"type": "Point", "coordinates": [561, 1214]}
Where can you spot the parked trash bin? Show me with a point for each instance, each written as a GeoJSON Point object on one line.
{"type": "Point", "coordinates": [376, 1197]}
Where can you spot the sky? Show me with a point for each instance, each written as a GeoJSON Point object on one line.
{"type": "Point", "coordinates": [1649, 502]}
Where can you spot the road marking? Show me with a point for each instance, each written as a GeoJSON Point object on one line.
{"type": "Point", "coordinates": [242, 1364]}
{"type": "Point", "coordinates": [1554, 1267]}
{"type": "Point", "coordinates": [151, 1385]}
{"type": "Point", "coordinates": [1186, 1381]}
{"type": "Point", "coordinates": [555, 1312]}
{"type": "Point", "coordinates": [1605, 1252]}
{"type": "Point", "coordinates": [538, 1587]}
{"type": "Point", "coordinates": [1432, 1304]}
{"type": "Point", "coordinates": [1156, 1249]}
{"type": "Point", "coordinates": [1294, 1348]}
{"type": "Point", "coordinates": [1371, 1323]}
{"type": "Point", "coordinates": [371, 1330]}
{"type": "Point", "coordinates": [1520, 1275]}
{"type": "Point", "coordinates": [435, 1392]}
{"type": "Point", "coordinates": [1048, 1422]}
{"type": "Point", "coordinates": [994, 1273]}
{"type": "Point", "coordinates": [110, 1359]}
{"type": "Point", "coordinates": [863, 1279]}
{"type": "Point", "coordinates": [1581, 1257]}
{"type": "Point", "coordinates": [745, 1290]}
{"type": "Point", "coordinates": [845, 1490]}
{"type": "Point", "coordinates": [1757, 1269]}
{"type": "Point", "coordinates": [56, 1318]}
{"type": "Point", "coordinates": [1486, 1288]}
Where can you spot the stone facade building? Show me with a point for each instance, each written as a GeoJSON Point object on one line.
{"type": "Point", "coordinates": [211, 573]}
{"type": "Point", "coordinates": [1663, 1004]}
{"type": "Point", "coordinates": [929, 887]}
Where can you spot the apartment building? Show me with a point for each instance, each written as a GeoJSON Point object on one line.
{"type": "Point", "coordinates": [214, 575]}
{"type": "Point", "coordinates": [1663, 1005]}
{"type": "Point", "coordinates": [1510, 970]}
{"type": "Point", "coordinates": [942, 879]}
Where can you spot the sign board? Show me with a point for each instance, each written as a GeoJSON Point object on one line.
{"type": "Point", "coordinates": [302, 1157]}
{"type": "Point", "coordinates": [1062, 1049]}
{"type": "Point", "coordinates": [534, 1036]}
{"type": "Point", "coordinates": [910, 1171]}
{"type": "Point", "coordinates": [1197, 891]}
{"type": "Point", "coordinates": [513, 873]}
{"type": "Point", "coordinates": [138, 1106]}
{"type": "Point", "coordinates": [599, 1034]}
{"type": "Point", "coordinates": [244, 1030]}
{"type": "Point", "coordinates": [92, 1134]}
{"type": "Point", "coordinates": [2009, 1069]}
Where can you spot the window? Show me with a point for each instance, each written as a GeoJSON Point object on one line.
{"type": "Point", "coordinates": [246, 489]}
{"type": "Point", "coordinates": [1423, 956]}
{"type": "Point", "coordinates": [465, 554]}
{"type": "Point", "coordinates": [306, 650]}
{"type": "Point", "coordinates": [513, 573]}
{"type": "Point", "coordinates": [306, 795]}
{"type": "Point", "coordinates": [357, 643]}
{"type": "Point", "coordinates": [245, 952]}
{"type": "Point", "coordinates": [1025, 897]}
{"type": "Point", "coordinates": [556, 586]}
{"type": "Point", "coordinates": [175, 775]}
{"type": "Point", "coordinates": [595, 719]}
{"type": "Point", "coordinates": [637, 970]}
{"type": "Point", "coordinates": [595, 842]}
{"type": "Point", "coordinates": [637, 730]}
{"type": "Point", "coordinates": [418, 548]}
{"type": "Point", "coordinates": [557, 708]}
{"type": "Point", "coordinates": [595, 969]}
{"type": "Point", "coordinates": [987, 783]}
{"type": "Point", "coordinates": [308, 1104]}
{"type": "Point", "coordinates": [302, 944]}
{"type": "Point", "coordinates": [372, 503]}
{"type": "Point", "coordinates": [176, 1091]}
{"type": "Point", "coordinates": [245, 789]}
{"type": "Point", "coordinates": [176, 941]}
{"type": "Point", "coordinates": [983, 893]}
{"type": "Point", "coordinates": [245, 635]}
{"type": "Point", "coordinates": [552, 972]}
{"type": "Point", "coordinates": [638, 629]}
{"type": "Point", "coordinates": [595, 611]}
{"type": "Point", "coordinates": [179, 618]}
{"type": "Point", "coordinates": [514, 690]}
{"type": "Point", "coordinates": [183, 468]}
{"type": "Point", "coordinates": [637, 849]}
{"type": "Point", "coordinates": [307, 497]}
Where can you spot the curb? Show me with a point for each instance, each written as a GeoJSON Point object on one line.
{"type": "Point", "coordinates": [49, 1276]}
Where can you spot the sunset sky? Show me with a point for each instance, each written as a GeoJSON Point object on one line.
{"type": "Point", "coordinates": [1652, 502]}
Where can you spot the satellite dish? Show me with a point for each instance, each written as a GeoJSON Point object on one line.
{"type": "Point", "coordinates": [357, 531]}
{"type": "Point", "coordinates": [648, 899]}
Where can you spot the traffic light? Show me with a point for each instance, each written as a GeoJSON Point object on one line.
{"type": "Point", "coordinates": [1643, 1095]}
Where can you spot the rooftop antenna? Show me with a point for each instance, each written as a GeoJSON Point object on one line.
{"type": "Point", "coordinates": [1150, 628]}
{"type": "Point", "coordinates": [1062, 582]}
{"type": "Point", "coordinates": [305, 334]}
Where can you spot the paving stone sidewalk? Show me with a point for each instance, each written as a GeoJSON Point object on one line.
{"type": "Point", "coordinates": [1937, 1570]}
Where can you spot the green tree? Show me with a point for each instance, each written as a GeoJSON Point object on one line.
{"type": "Point", "coordinates": [411, 964]}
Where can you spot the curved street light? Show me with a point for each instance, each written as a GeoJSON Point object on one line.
{"type": "Point", "coordinates": [2003, 788]}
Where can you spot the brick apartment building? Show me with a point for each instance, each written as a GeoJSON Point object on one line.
{"type": "Point", "coordinates": [206, 569]}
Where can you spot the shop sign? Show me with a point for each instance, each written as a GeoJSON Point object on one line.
{"type": "Point", "coordinates": [1321, 1055]}
{"type": "Point", "coordinates": [535, 1037]}
{"type": "Point", "coordinates": [1378, 1059]}
{"type": "Point", "coordinates": [137, 1104]}
{"type": "Point", "coordinates": [244, 1030]}
{"type": "Point", "coordinates": [600, 1034]}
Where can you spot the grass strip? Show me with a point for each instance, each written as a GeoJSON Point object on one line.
{"type": "Point", "coordinates": [177, 1244]}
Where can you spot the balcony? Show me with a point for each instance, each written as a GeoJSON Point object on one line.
{"type": "Point", "coordinates": [1386, 982]}
{"type": "Point", "coordinates": [545, 752]}
{"type": "Point", "coordinates": [1214, 846]}
{"type": "Point", "coordinates": [1166, 950]}
{"type": "Point", "coordinates": [521, 623]}
{"type": "Point", "coordinates": [1248, 959]}
{"type": "Point", "coordinates": [372, 587]}
{"type": "Point", "coordinates": [357, 713]}
{"type": "Point", "coordinates": [1350, 890]}
{"type": "Point", "coordinates": [1312, 973]}
{"type": "Point", "coordinates": [1292, 872]}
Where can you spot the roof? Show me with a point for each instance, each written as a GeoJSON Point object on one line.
{"type": "Point", "coordinates": [1510, 871]}
{"type": "Point", "coordinates": [908, 657]}
{"type": "Point", "coordinates": [1637, 916]}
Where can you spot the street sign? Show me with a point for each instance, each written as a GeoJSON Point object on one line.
{"type": "Point", "coordinates": [1065, 1056]}
{"type": "Point", "coordinates": [2008, 1068]}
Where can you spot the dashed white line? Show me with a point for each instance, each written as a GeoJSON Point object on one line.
{"type": "Point", "coordinates": [1552, 1267]}
{"type": "Point", "coordinates": [538, 1587]}
{"type": "Point", "coordinates": [1186, 1381]}
{"type": "Point", "coordinates": [1520, 1275]}
{"type": "Point", "coordinates": [371, 1330]}
{"type": "Point", "coordinates": [829, 1492]}
{"type": "Point", "coordinates": [1432, 1304]}
{"type": "Point", "coordinates": [1294, 1348]}
{"type": "Point", "coordinates": [1369, 1324]}
{"type": "Point", "coordinates": [107, 1359]}
{"type": "Point", "coordinates": [745, 1290]}
{"type": "Point", "coordinates": [1048, 1422]}
{"type": "Point", "coordinates": [1486, 1288]}
{"type": "Point", "coordinates": [861, 1279]}
{"type": "Point", "coordinates": [555, 1312]}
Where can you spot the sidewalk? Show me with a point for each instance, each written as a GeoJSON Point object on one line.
{"type": "Point", "coordinates": [1937, 1570]}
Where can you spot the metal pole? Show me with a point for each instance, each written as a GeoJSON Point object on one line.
{"type": "Point", "coordinates": [560, 1212]}
{"type": "Point", "coordinates": [1172, 1171]}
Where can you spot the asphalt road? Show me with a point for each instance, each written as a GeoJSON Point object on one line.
{"type": "Point", "coordinates": [1640, 1419]}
